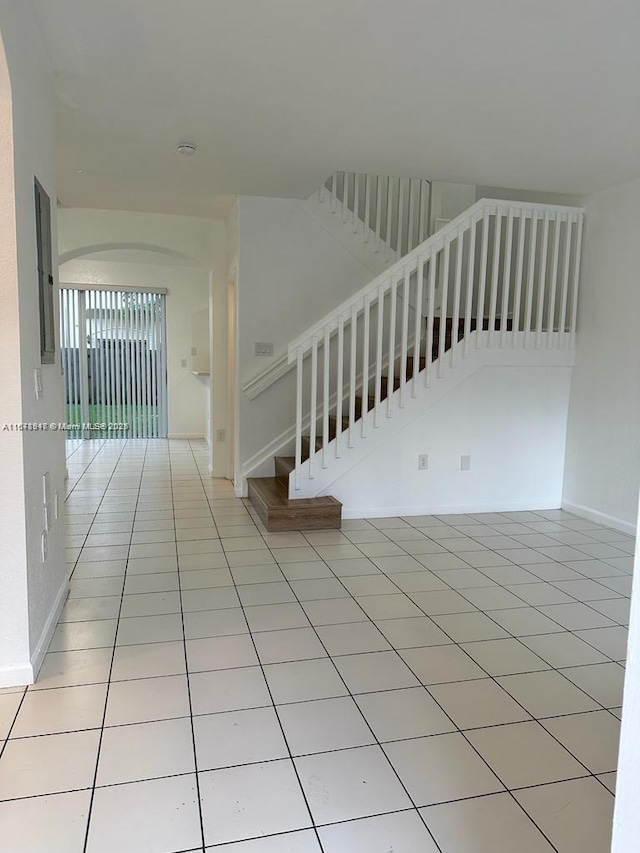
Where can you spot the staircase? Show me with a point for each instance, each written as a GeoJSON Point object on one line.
{"type": "Point", "coordinates": [270, 495]}
{"type": "Point", "coordinates": [500, 278]}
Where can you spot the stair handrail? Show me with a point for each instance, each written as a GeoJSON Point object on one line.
{"type": "Point", "coordinates": [490, 288]}
{"type": "Point", "coordinates": [383, 282]}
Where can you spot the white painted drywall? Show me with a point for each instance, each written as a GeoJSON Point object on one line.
{"type": "Point", "coordinates": [31, 591]}
{"type": "Point", "coordinates": [511, 421]}
{"type": "Point", "coordinates": [448, 200]}
{"type": "Point", "coordinates": [184, 254]}
{"type": "Point", "coordinates": [533, 196]}
{"type": "Point", "coordinates": [189, 238]}
{"type": "Point", "coordinates": [603, 449]}
{"type": "Point", "coordinates": [14, 631]}
{"type": "Point", "coordinates": [291, 273]}
{"type": "Point", "coordinates": [626, 818]}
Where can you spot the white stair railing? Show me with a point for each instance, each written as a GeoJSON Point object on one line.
{"type": "Point", "coordinates": [389, 212]}
{"type": "Point", "coordinates": [507, 271]}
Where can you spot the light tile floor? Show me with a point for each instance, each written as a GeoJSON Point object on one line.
{"type": "Point", "coordinates": [422, 684]}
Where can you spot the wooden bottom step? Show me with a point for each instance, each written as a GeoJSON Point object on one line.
{"type": "Point", "coordinates": [270, 498]}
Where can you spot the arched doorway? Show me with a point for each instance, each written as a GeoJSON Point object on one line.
{"type": "Point", "coordinates": [149, 304]}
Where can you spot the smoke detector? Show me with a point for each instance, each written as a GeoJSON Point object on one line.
{"type": "Point", "coordinates": [188, 149]}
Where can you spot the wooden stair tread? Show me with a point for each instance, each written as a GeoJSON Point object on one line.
{"type": "Point", "coordinates": [272, 489]}
{"type": "Point", "coordinates": [279, 512]}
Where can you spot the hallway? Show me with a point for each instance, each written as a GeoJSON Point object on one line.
{"type": "Point", "coordinates": [412, 685]}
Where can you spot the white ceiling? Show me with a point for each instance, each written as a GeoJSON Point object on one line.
{"type": "Point", "coordinates": [278, 94]}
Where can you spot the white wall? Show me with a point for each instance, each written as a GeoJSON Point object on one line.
{"type": "Point", "coordinates": [510, 420]}
{"type": "Point", "coordinates": [533, 196]}
{"type": "Point", "coordinates": [292, 272]}
{"type": "Point", "coordinates": [449, 200]}
{"type": "Point", "coordinates": [626, 819]}
{"type": "Point", "coordinates": [189, 239]}
{"type": "Point", "coordinates": [183, 254]}
{"type": "Point", "coordinates": [603, 447]}
{"type": "Point", "coordinates": [31, 591]}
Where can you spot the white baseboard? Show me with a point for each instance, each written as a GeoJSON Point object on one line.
{"type": "Point", "coordinates": [18, 675]}
{"type": "Point", "coordinates": [600, 517]}
{"type": "Point", "coordinates": [42, 645]}
{"type": "Point", "coordinates": [443, 509]}
{"type": "Point", "coordinates": [186, 436]}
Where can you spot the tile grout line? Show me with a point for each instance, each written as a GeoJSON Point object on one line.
{"type": "Point", "coordinates": [106, 701]}
{"type": "Point", "coordinates": [453, 589]}
{"type": "Point", "coordinates": [186, 663]}
{"type": "Point", "coordinates": [497, 683]}
{"type": "Point", "coordinates": [402, 592]}
{"type": "Point", "coordinates": [273, 704]}
{"type": "Point", "coordinates": [462, 732]}
{"type": "Point", "coordinates": [457, 728]}
{"type": "Point", "coordinates": [352, 697]}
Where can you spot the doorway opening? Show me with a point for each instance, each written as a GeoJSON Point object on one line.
{"type": "Point", "coordinates": [114, 357]}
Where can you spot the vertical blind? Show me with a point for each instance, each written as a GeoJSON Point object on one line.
{"type": "Point", "coordinates": [113, 347]}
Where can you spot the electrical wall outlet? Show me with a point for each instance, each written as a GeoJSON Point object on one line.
{"type": "Point", "coordinates": [183, 362]}
{"type": "Point", "coordinates": [262, 348]}
{"type": "Point", "coordinates": [423, 462]}
{"type": "Point", "coordinates": [194, 351]}
{"type": "Point", "coordinates": [465, 463]}
{"type": "Point", "coordinates": [221, 435]}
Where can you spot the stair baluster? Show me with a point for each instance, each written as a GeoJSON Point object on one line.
{"type": "Point", "coordinates": [396, 335]}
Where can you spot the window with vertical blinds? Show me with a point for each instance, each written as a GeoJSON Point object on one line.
{"type": "Point", "coordinates": [113, 350]}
